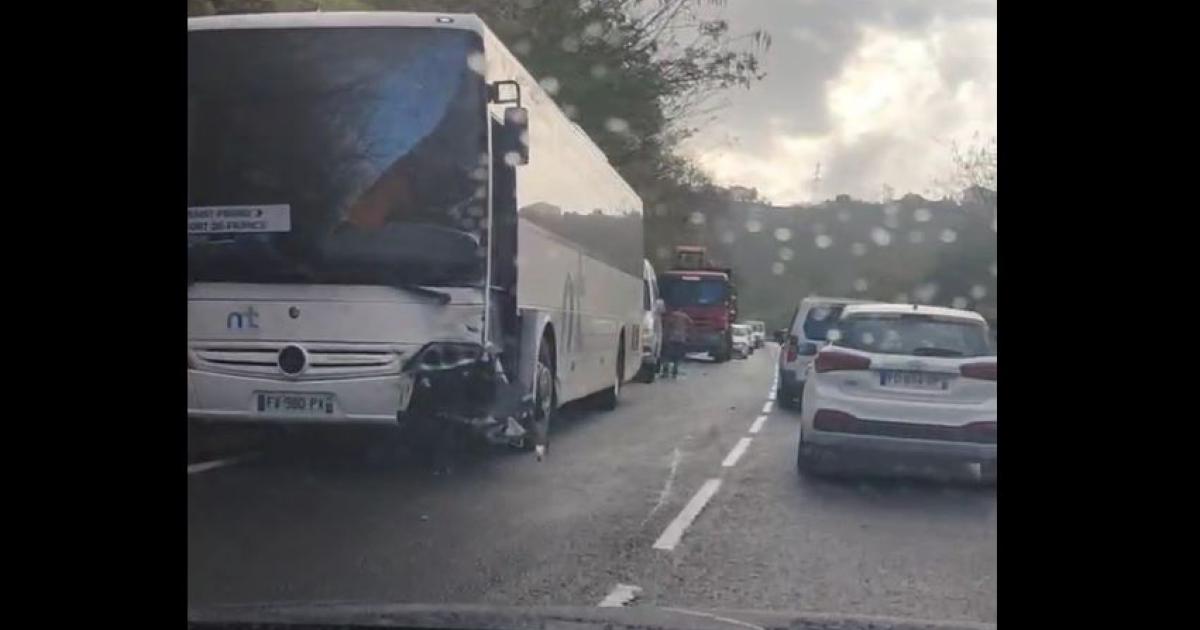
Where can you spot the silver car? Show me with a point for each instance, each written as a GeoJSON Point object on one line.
{"type": "Point", "coordinates": [806, 335]}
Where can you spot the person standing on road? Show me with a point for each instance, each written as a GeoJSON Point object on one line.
{"type": "Point", "coordinates": [676, 326]}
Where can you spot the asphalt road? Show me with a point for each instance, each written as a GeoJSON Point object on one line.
{"type": "Point", "coordinates": [323, 517]}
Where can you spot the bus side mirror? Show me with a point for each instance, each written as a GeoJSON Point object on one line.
{"type": "Point", "coordinates": [516, 131]}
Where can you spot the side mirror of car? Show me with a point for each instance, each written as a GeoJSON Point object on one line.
{"type": "Point", "coordinates": [780, 335]}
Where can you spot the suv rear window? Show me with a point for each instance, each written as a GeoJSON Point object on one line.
{"type": "Point", "coordinates": [919, 335]}
{"type": "Point", "coordinates": [820, 319]}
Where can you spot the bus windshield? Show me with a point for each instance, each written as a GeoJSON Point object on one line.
{"type": "Point", "coordinates": [370, 141]}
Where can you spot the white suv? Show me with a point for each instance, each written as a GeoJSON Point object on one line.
{"type": "Point", "coordinates": [905, 380]}
{"type": "Point", "coordinates": [806, 334]}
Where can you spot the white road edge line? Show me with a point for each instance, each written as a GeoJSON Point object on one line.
{"type": "Point", "coordinates": [734, 455]}
{"type": "Point", "coordinates": [758, 424]}
{"type": "Point", "coordinates": [767, 407]}
{"type": "Point", "coordinates": [674, 531]}
{"type": "Point", "coordinates": [620, 595]}
{"type": "Point", "coordinates": [218, 463]}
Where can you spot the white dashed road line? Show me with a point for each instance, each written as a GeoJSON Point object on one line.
{"type": "Point", "coordinates": [734, 455]}
{"type": "Point", "coordinates": [674, 531]}
{"type": "Point", "coordinates": [767, 407]}
{"type": "Point", "coordinates": [620, 595]}
{"type": "Point", "coordinates": [758, 423]}
{"type": "Point", "coordinates": [192, 469]}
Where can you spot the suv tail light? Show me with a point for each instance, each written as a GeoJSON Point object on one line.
{"type": "Point", "coordinates": [985, 371]}
{"type": "Point", "coordinates": [830, 420]}
{"type": "Point", "coordinates": [832, 361]}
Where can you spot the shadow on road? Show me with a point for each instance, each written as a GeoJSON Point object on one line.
{"type": "Point", "coordinates": [367, 449]}
{"type": "Point", "coordinates": [888, 485]}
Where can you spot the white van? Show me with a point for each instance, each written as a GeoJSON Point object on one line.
{"type": "Point", "coordinates": [651, 329]}
{"type": "Point", "coordinates": [806, 335]}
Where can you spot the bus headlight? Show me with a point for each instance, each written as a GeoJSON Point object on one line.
{"type": "Point", "coordinates": [446, 356]}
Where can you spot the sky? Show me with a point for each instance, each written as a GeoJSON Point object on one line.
{"type": "Point", "coordinates": [874, 91]}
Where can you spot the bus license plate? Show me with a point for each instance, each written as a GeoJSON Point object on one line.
{"type": "Point", "coordinates": [293, 404]}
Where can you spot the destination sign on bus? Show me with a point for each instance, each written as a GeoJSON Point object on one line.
{"type": "Point", "coordinates": [239, 219]}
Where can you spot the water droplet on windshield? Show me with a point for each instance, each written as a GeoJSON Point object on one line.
{"type": "Point", "coordinates": [783, 234]}
{"type": "Point", "coordinates": [697, 218]}
{"type": "Point", "coordinates": [512, 158]}
{"type": "Point", "coordinates": [593, 29]}
{"type": "Point", "coordinates": [833, 334]}
{"type": "Point", "coordinates": [785, 253]}
{"type": "Point", "coordinates": [916, 237]}
{"type": "Point", "coordinates": [570, 44]}
{"type": "Point", "coordinates": [925, 293]}
{"type": "Point", "coordinates": [949, 236]}
{"type": "Point", "coordinates": [479, 174]}
{"type": "Point", "coordinates": [599, 71]}
{"type": "Point", "coordinates": [978, 292]}
{"type": "Point", "coordinates": [994, 226]}
{"type": "Point", "coordinates": [860, 285]}
{"type": "Point", "coordinates": [660, 210]}
{"type": "Point", "coordinates": [901, 298]}
{"type": "Point", "coordinates": [753, 225]}
{"type": "Point", "coordinates": [728, 237]}
{"type": "Point", "coordinates": [891, 209]}
{"type": "Point", "coordinates": [881, 236]}
{"type": "Point", "coordinates": [992, 269]}
{"type": "Point", "coordinates": [892, 222]}
{"type": "Point", "coordinates": [476, 63]}
{"type": "Point", "coordinates": [959, 302]}
{"type": "Point", "coordinates": [616, 125]}
{"type": "Point", "coordinates": [522, 47]}
{"type": "Point", "coordinates": [858, 249]}
{"type": "Point", "coordinates": [867, 339]}
{"type": "Point", "coordinates": [824, 241]}
{"type": "Point", "coordinates": [662, 252]}
{"type": "Point", "coordinates": [475, 211]}
{"type": "Point", "coordinates": [778, 268]}
{"type": "Point", "coordinates": [570, 111]}
{"type": "Point", "coordinates": [922, 215]}
{"type": "Point", "coordinates": [550, 84]}
{"type": "Point", "coordinates": [843, 215]}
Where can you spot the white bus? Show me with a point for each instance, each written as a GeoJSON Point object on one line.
{"type": "Point", "coordinates": [389, 221]}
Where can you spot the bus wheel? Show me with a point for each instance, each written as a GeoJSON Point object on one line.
{"type": "Point", "coordinates": [610, 397]}
{"type": "Point", "coordinates": [545, 399]}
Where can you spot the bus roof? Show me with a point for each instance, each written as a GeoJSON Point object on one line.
{"type": "Point", "coordinates": [336, 19]}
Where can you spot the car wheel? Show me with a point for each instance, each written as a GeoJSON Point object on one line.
{"type": "Point", "coordinates": [787, 398]}
{"type": "Point", "coordinates": [808, 459]}
{"type": "Point", "coordinates": [647, 373]}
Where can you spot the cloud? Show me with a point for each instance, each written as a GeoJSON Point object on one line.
{"type": "Point", "coordinates": [873, 90]}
